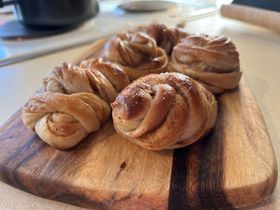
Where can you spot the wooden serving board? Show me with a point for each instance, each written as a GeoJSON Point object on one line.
{"type": "Point", "coordinates": [233, 167]}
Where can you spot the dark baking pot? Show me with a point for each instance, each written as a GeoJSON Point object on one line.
{"type": "Point", "coordinates": [53, 13]}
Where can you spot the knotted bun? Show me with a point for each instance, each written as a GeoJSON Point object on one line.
{"type": "Point", "coordinates": [64, 120]}
{"type": "Point", "coordinates": [164, 111]}
{"type": "Point", "coordinates": [137, 52]}
{"type": "Point", "coordinates": [213, 61]}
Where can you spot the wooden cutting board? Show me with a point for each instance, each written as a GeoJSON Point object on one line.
{"type": "Point", "coordinates": [234, 166]}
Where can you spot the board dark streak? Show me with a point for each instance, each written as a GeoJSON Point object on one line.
{"type": "Point", "coordinates": [211, 168]}
{"type": "Point", "coordinates": [177, 196]}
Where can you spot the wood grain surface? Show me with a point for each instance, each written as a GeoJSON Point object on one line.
{"type": "Point", "coordinates": [233, 167]}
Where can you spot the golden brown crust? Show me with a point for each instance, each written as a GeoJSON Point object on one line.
{"type": "Point", "coordinates": [165, 37]}
{"type": "Point", "coordinates": [94, 76]}
{"type": "Point", "coordinates": [213, 61]}
{"type": "Point", "coordinates": [112, 71]}
{"type": "Point", "coordinates": [107, 79]}
{"type": "Point", "coordinates": [164, 111]}
{"type": "Point", "coordinates": [64, 120]}
{"type": "Point", "coordinates": [70, 107]}
{"type": "Point", "coordinates": [68, 79]}
{"type": "Point", "coordinates": [137, 53]}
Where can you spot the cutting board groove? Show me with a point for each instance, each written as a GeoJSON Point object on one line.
{"type": "Point", "coordinates": [232, 167]}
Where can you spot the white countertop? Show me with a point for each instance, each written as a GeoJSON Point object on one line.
{"type": "Point", "coordinates": [260, 61]}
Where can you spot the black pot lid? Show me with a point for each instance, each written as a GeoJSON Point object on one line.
{"type": "Point", "coordinates": [14, 29]}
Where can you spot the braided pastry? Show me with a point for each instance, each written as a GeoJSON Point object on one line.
{"type": "Point", "coordinates": [105, 79]}
{"type": "Point", "coordinates": [68, 79]}
{"type": "Point", "coordinates": [137, 53]}
{"type": "Point", "coordinates": [164, 111]}
{"type": "Point", "coordinates": [165, 37]}
{"type": "Point", "coordinates": [213, 61]}
{"type": "Point", "coordinates": [64, 120]}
